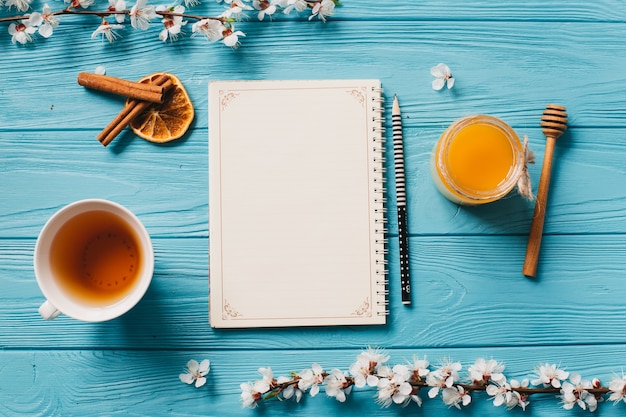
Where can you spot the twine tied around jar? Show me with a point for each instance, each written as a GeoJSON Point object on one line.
{"type": "Point", "coordinates": [524, 187]}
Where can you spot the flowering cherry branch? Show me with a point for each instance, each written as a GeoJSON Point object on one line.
{"type": "Point", "coordinates": [173, 18]}
{"type": "Point", "coordinates": [402, 383]}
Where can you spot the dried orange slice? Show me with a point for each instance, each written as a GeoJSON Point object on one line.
{"type": "Point", "coordinates": [166, 121]}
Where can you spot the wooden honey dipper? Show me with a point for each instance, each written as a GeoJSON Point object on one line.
{"type": "Point", "coordinates": [553, 123]}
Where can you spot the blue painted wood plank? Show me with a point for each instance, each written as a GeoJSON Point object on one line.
{"type": "Point", "coordinates": [468, 292]}
{"type": "Point", "coordinates": [508, 67]}
{"type": "Point", "coordinates": [167, 185]}
{"type": "Point", "coordinates": [454, 10]}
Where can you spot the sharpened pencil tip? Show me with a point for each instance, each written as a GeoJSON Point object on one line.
{"type": "Point", "coordinates": [396, 106]}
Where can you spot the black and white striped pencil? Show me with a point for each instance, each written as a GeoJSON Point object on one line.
{"type": "Point", "coordinates": [403, 237]}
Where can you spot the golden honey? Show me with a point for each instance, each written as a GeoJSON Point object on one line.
{"type": "Point", "coordinates": [477, 160]}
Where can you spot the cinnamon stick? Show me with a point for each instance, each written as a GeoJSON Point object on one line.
{"type": "Point", "coordinates": [131, 110]}
{"type": "Point", "coordinates": [132, 89]}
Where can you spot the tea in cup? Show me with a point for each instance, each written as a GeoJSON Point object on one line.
{"type": "Point", "coordinates": [93, 261]}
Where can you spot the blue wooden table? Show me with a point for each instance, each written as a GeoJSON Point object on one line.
{"type": "Point", "coordinates": [470, 299]}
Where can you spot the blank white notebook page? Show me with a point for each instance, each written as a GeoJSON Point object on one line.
{"type": "Point", "coordinates": [295, 233]}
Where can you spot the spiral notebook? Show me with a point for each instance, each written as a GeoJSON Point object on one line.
{"type": "Point", "coordinates": [296, 203]}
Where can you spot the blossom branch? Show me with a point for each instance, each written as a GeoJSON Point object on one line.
{"type": "Point", "coordinates": [215, 28]}
{"type": "Point", "coordinates": [403, 383]}
{"type": "Point", "coordinates": [68, 11]}
{"type": "Point", "coordinates": [522, 390]}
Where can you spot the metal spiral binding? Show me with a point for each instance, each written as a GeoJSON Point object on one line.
{"type": "Point", "coordinates": [384, 303]}
{"type": "Point", "coordinates": [379, 170]}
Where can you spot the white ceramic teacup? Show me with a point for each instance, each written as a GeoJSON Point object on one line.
{"type": "Point", "coordinates": [93, 261]}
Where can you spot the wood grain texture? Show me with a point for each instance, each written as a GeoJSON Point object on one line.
{"type": "Point", "coordinates": [469, 292]}
{"type": "Point", "coordinates": [470, 299]}
{"type": "Point", "coordinates": [508, 67]}
{"type": "Point", "coordinates": [166, 185]}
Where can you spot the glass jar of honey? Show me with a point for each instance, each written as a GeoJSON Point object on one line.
{"type": "Point", "coordinates": [477, 160]}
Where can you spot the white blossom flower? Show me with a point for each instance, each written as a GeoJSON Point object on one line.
{"type": "Point", "coordinates": [196, 372]}
{"type": "Point", "coordinates": [173, 24]}
{"type": "Point", "coordinates": [618, 389]}
{"type": "Point", "coordinates": [337, 385]}
{"type": "Point", "coordinates": [141, 15]}
{"type": "Point", "coordinates": [550, 375]}
{"type": "Point", "coordinates": [252, 394]}
{"type": "Point", "coordinates": [365, 368]}
{"type": "Point", "coordinates": [265, 8]}
{"type": "Point", "coordinates": [395, 388]}
{"type": "Point", "coordinates": [574, 392]}
{"type": "Point", "coordinates": [500, 393]}
{"type": "Point", "coordinates": [77, 4]}
{"type": "Point", "coordinates": [442, 75]}
{"type": "Point", "coordinates": [310, 379]}
{"type": "Point", "coordinates": [444, 377]}
{"type": "Point", "coordinates": [323, 8]}
{"type": "Point", "coordinates": [22, 31]}
{"type": "Point", "coordinates": [455, 396]}
{"type": "Point", "coordinates": [289, 5]}
{"type": "Point", "coordinates": [291, 390]}
{"type": "Point", "coordinates": [235, 10]}
{"type": "Point", "coordinates": [231, 36]}
{"type": "Point", "coordinates": [268, 375]}
{"type": "Point", "coordinates": [483, 371]}
{"type": "Point", "coordinates": [416, 399]}
{"type": "Point", "coordinates": [21, 5]}
{"type": "Point", "coordinates": [518, 399]}
{"type": "Point", "coordinates": [505, 393]}
{"type": "Point", "coordinates": [50, 22]}
{"type": "Point", "coordinates": [211, 28]}
{"type": "Point", "coordinates": [107, 31]}
{"type": "Point", "coordinates": [191, 3]}
{"type": "Point", "coordinates": [100, 70]}
{"type": "Point", "coordinates": [118, 6]}
{"type": "Point", "coordinates": [419, 368]}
